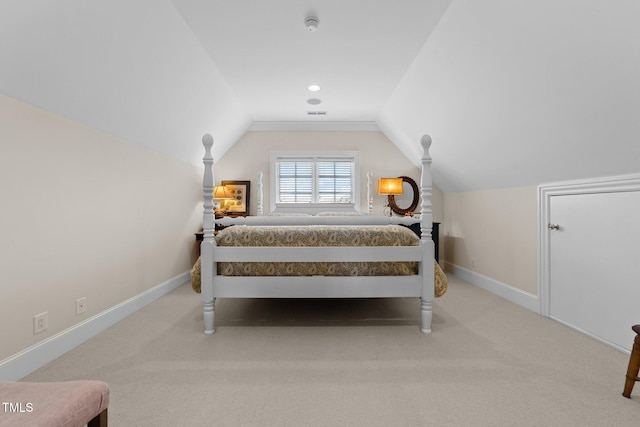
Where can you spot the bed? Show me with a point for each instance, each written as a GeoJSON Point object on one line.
{"type": "Point", "coordinates": [319, 256]}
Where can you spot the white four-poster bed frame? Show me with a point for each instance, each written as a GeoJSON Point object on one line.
{"type": "Point", "coordinates": [215, 286]}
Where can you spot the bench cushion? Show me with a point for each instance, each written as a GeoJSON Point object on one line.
{"type": "Point", "coordinates": [63, 404]}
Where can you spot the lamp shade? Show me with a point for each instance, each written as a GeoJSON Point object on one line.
{"type": "Point", "coordinates": [390, 186]}
{"type": "Point", "coordinates": [220, 192]}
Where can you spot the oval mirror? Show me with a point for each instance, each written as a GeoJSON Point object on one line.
{"type": "Point", "coordinates": [407, 202]}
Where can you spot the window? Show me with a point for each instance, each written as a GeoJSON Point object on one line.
{"type": "Point", "coordinates": [314, 180]}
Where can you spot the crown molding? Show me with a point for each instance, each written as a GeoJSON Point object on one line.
{"type": "Point", "coordinates": [313, 126]}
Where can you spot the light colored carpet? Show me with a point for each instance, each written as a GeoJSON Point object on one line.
{"type": "Point", "coordinates": [351, 363]}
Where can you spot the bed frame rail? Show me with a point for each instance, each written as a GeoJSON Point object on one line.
{"type": "Point", "coordinates": [319, 287]}
{"type": "Point", "coordinates": [322, 254]}
{"type": "Point", "coordinates": [317, 220]}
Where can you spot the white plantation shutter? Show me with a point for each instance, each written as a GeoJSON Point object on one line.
{"type": "Point", "coordinates": [334, 181]}
{"type": "Point", "coordinates": [295, 181]}
{"type": "Point", "coordinates": [315, 178]}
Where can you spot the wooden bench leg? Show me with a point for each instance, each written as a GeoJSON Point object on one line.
{"type": "Point", "coordinates": [99, 420]}
{"type": "Point", "coordinates": [634, 364]}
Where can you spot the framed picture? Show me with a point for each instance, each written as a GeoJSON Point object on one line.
{"type": "Point", "coordinates": [239, 192]}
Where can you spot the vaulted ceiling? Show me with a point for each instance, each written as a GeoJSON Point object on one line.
{"type": "Point", "coordinates": [513, 92]}
{"type": "Point", "coordinates": [357, 55]}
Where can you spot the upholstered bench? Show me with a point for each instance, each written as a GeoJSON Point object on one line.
{"type": "Point", "coordinates": [55, 404]}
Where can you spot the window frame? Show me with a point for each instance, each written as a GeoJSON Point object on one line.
{"type": "Point", "coordinates": [315, 157]}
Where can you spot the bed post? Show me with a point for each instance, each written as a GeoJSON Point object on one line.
{"type": "Point", "coordinates": [369, 194]}
{"type": "Point", "coordinates": [207, 266]}
{"type": "Point", "coordinates": [428, 251]}
{"type": "Point", "coordinates": [260, 197]}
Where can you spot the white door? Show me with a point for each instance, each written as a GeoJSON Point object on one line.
{"type": "Point", "coordinates": [595, 264]}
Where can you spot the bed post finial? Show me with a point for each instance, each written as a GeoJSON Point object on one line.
{"type": "Point", "coordinates": [207, 187]}
{"type": "Point", "coordinates": [426, 143]}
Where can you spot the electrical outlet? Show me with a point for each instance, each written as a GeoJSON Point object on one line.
{"type": "Point", "coordinates": [40, 322]}
{"type": "Point", "coordinates": [81, 305]}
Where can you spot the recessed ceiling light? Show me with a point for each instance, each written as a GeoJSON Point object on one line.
{"type": "Point", "coordinates": [313, 101]}
{"type": "Point", "coordinates": [313, 88]}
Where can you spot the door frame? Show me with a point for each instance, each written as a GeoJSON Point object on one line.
{"type": "Point", "coordinates": [613, 184]}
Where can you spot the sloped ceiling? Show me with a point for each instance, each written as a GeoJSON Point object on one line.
{"type": "Point", "coordinates": [518, 93]}
{"type": "Point", "coordinates": [131, 68]}
{"type": "Point", "coordinates": [358, 54]}
{"type": "Point", "coordinates": [513, 92]}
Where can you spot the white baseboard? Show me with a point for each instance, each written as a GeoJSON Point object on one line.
{"type": "Point", "coordinates": [516, 296]}
{"type": "Point", "coordinates": [595, 337]}
{"type": "Point", "coordinates": [32, 358]}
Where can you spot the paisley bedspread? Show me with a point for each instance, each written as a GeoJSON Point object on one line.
{"type": "Point", "coordinates": [318, 236]}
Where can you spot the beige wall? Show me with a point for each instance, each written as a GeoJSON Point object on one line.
{"type": "Point", "coordinates": [493, 233]}
{"type": "Point", "coordinates": [84, 214]}
{"type": "Point", "coordinates": [377, 155]}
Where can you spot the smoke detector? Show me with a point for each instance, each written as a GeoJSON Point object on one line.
{"type": "Point", "coordinates": [311, 22]}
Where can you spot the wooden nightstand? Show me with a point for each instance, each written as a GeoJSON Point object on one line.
{"type": "Point", "coordinates": [435, 235]}
{"type": "Point", "coordinates": [199, 238]}
{"type": "Point", "coordinates": [200, 234]}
